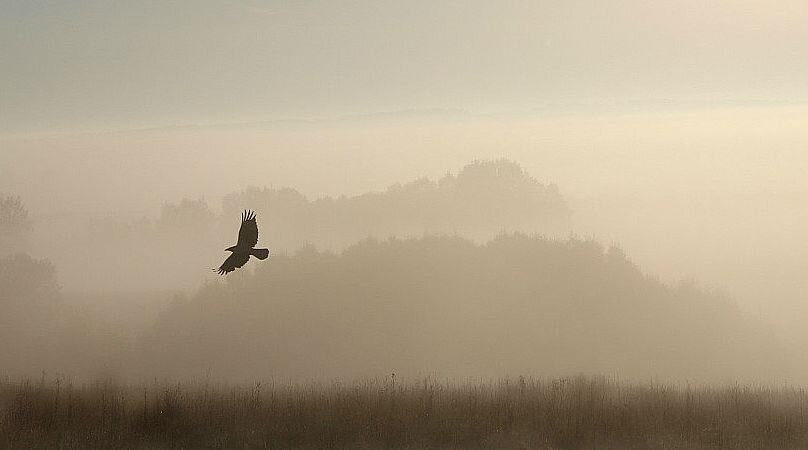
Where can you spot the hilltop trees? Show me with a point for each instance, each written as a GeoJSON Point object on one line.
{"type": "Point", "coordinates": [517, 304]}
{"type": "Point", "coordinates": [433, 303]}
{"type": "Point", "coordinates": [186, 217]}
{"type": "Point", "coordinates": [29, 291]}
{"type": "Point", "coordinates": [26, 284]}
{"type": "Point", "coordinates": [482, 200]}
{"type": "Point", "coordinates": [15, 226]}
{"type": "Point", "coordinates": [168, 249]}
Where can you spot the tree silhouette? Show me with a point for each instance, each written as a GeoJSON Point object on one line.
{"type": "Point", "coordinates": [15, 226]}
{"type": "Point", "coordinates": [481, 201]}
{"type": "Point", "coordinates": [26, 282]}
{"type": "Point", "coordinates": [517, 304]}
{"type": "Point", "coordinates": [187, 216]}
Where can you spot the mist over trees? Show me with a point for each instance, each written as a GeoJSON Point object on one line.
{"type": "Point", "coordinates": [15, 225]}
{"type": "Point", "coordinates": [482, 200]}
{"type": "Point", "coordinates": [446, 305]}
{"type": "Point", "coordinates": [187, 218]}
{"type": "Point", "coordinates": [40, 332]}
{"type": "Point", "coordinates": [28, 286]}
{"type": "Point", "coordinates": [33, 320]}
{"type": "Point", "coordinates": [455, 294]}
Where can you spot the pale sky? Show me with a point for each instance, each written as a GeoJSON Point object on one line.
{"type": "Point", "coordinates": [99, 65]}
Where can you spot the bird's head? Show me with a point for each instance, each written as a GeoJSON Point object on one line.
{"type": "Point", "coordinates": [230, 249]}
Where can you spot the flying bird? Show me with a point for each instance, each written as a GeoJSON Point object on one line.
{"type": "Point", "coordinates": [247, 239]}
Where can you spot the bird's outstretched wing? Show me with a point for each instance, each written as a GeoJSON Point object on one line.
{"type": "Point", "coordinates": [232, 263]}
{"type": "Point", "coordinates": [248, 233]}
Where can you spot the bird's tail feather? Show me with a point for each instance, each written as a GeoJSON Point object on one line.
{"type": "Point", "coordinates": [260, 253]}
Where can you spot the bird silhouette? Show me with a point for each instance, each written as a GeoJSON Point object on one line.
{"type": "Point", "coordinates": [245, 246]}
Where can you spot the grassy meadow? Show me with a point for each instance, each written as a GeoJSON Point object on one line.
{"type": "Point", "coordinates": [578, 412]}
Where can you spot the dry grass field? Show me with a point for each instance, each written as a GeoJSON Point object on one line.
{"type": "Point", "coordinates": [580, 412]}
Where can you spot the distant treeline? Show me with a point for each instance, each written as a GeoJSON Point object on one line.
{"type": "Point", "coordinates": [442, 305]}
{"type": "Point", "coordinates": [433, 304]}
{"type": "Point", "coordinates": [482, 200]}
{"type": "Point", "coordinates": [517, 304]}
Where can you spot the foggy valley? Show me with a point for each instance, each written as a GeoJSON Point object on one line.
{"type": "Point", "coordinates": [523, 225]}
{"type": "Point", "coordinates": [136, 285]}
{"type": "Point", "coordinates": [472, 272]}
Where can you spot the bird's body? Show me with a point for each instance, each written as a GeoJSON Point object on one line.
{"type": "Point", "coordinates": [245, 246]}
